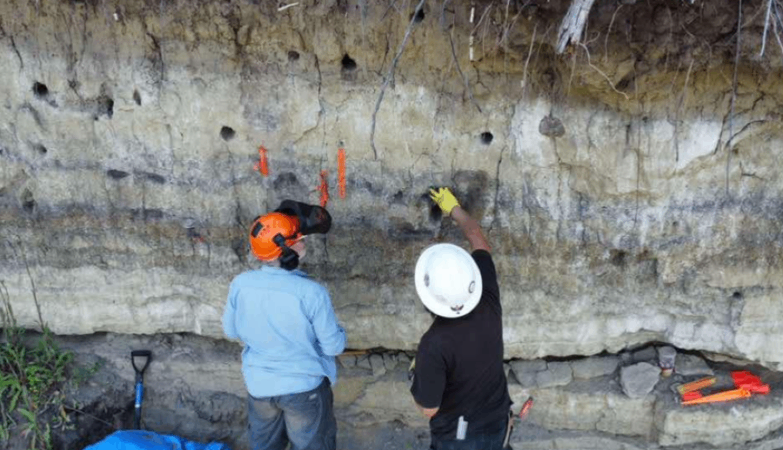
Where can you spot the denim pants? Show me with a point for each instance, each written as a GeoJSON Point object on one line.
{"type": "Point", "coordinates": [488, 441]}
{"type": "Point", "coordinates": [306, 420]}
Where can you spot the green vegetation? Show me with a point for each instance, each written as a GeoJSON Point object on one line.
{"type": "Point", "coordinates": [33, 373]}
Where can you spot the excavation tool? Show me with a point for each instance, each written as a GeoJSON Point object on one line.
{"type": "Point", "coordinates": [147, 357]}
{"type": "Point", "coordinates": [746, 384]}
{"type": "Point", "coordinates": [695, 398]}
{"type": "Point", "coordinates": [696, 385]}
{"type": "Point", "coordinates": [525, 408]}
{"type": "Point", "coordinates": [511, 419]}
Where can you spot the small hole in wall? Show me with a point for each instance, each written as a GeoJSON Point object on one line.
{"type": "Point", "coordinates": [293, 56]}
{"type": "Point", "coordinates": [737, 295]}
{"type": "Point", "coordinates": [618, 257]}
{"type": "Point", "coordinates": [104, 106]}
{"type": "Point", "coordinates": [29, 205]}
{"type": "Point", "coordinates": [40, 90]}
{"type": "Point", "coordinates": [436, 214]}
{"type": "Point", "coordinates": [227, 133]}
{"type": "Point", "coordinates": [41, 149]}
{"type": "Point", "coordinates": [108, 106]}
{"type": "Point", "coordinates": [419, 16]}
{"type": "Point", "coordinates": [486, 138]}
{"type": "Point", "coordinates": [137, 97]}
{"type": "Point", "coordinates": [28, 201]}
{"type": "Point", "coordinates": [348, 63]}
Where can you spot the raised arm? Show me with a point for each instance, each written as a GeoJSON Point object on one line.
{"type": "Point", "coordinates": [469, 226]}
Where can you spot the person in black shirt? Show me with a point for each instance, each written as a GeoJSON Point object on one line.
{"type": "Point", "coordinates": [458, 379]}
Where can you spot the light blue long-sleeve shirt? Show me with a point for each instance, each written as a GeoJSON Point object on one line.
{"type": "Point", "coordinates": [288, 326]}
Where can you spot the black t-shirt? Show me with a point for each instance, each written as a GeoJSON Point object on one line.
{"type": "Point", "coordinates": [459, 364]}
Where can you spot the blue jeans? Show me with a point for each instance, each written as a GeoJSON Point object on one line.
{"type": "Point", "coordinates": [306, 420]}
{"type": "Point", "coordinates": [488, 441]}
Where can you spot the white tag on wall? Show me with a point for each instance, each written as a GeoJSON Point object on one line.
{"type": "Point", "coordinates": [462, 428]}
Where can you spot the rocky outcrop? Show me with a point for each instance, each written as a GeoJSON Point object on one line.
{"type": "Point", "coordinates": [194, 388]}
{"type": "Point", "coordinates": [624, 200]}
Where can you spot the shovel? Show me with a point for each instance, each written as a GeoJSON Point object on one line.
{"type": "Point", "coordinates": [147, 355]}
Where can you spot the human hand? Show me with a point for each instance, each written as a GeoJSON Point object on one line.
{"type": "Point", "coordinates": [444, 198]}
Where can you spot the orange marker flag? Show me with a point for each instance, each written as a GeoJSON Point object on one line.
{"type": "Point", "coordinates": [324, 189]}
{"type": "Point", "coordinates": [725, 396]}
{"type": "Point", "coordinates": [341, 172]}
{"type": "Point", "coordinates": [262, 165]}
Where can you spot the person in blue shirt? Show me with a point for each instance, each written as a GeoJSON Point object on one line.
{"type": "Point", "coordinates": [290, 334]}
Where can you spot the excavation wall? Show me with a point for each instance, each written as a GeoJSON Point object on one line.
{"type": "Point", "coordinates": [630, 187]}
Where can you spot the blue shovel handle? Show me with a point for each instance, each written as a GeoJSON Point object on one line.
{"type": "Point", "coordinates": [147, 354]}
{"type": "Point", "coordinates": [137, 405]}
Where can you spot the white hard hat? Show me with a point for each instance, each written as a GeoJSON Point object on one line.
{"type": "Point", "coordinates": [448, 280]}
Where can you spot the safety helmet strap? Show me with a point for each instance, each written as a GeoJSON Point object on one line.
{"type": "Point", "coordinates": [289, 260]}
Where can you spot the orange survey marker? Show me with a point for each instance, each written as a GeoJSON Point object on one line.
{"type": "Point", "coordinates": [341, 172]}
{"type": "Point", "coordinates": [323, 188]}
{"type": "Point", "coordinates": [696, 385]}
{"type": "Point", "coordinates": [726, 396]}
{"type": "Point", "coordinates": [526, 408]}
{"type": "Point", "coordinates": [746, 383]}
{"type": "Point", "coordinates": [262, 165]}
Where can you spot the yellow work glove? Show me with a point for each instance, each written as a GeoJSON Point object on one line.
{"type": "Point", "coordinates": [444, 198]}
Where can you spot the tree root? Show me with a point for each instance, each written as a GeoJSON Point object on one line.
{"type": "Point", "coordinates": [390, 76]}
{"type": "Point", "coordinates": [573, 24]}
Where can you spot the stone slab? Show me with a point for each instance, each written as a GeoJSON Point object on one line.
{"type": "Point", "coordinates": [593, 367]}
{"type": "Point", "coordinates": [556, 374]}
{"type": "Point", "coordinates": [639, 379]}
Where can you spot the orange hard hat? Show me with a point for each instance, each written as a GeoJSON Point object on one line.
{"type": "Point", "coordinates": [266, 228]}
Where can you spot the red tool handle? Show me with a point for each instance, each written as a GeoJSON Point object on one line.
{"type": "Point", "coordinates": [746, 380]}
{"type": "Point", "coordinates": [526, 408]}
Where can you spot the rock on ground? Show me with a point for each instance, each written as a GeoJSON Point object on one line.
{"type": "Point", "coordinates": [639, 379]}
{"type": "Point", "coordinates": [687, 365]}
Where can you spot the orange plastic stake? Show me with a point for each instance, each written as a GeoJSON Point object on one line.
{"type": "Point", "coordinates": [341, 172]}
{"type": "Point", "coordinates": [526, 408]}
{"type": "Point", "coordinates": [262, 165]}
{"type": "Point", "coordinates": [696, 385]}
{"type": "Point", "coordinates": [323, 188]}
{"type": "Point", "coordinates": [720, 397]}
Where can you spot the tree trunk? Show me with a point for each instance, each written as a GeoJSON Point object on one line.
{"type": "Point", "coordinates": [573, 24]}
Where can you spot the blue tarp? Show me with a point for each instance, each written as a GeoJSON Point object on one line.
{"type": "Point", "coordinates": [148, 440]}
